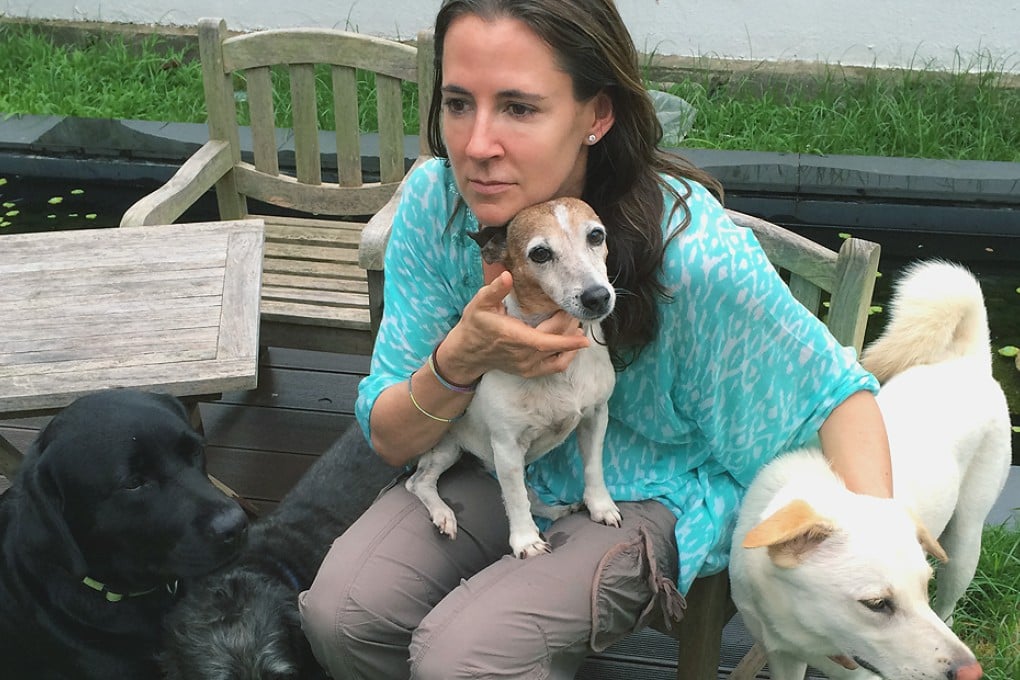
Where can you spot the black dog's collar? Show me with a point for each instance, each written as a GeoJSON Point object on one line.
{"type": "Point", "coordinates": [117, 597]}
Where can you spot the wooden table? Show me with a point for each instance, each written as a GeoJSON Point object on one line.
{"type": "Point", "coordinates": [171, 308]}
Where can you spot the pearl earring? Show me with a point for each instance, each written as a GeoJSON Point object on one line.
{"type": "Point", "coordinates": [592, 138]}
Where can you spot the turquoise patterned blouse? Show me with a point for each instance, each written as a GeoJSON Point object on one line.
{"type": "Point", "coordinates": [740, 371]}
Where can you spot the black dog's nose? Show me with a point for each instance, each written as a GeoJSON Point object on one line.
{"type": "Point", "coordinates": [229, 526]}
{"type": "Point", "coordinates": [596, 300]}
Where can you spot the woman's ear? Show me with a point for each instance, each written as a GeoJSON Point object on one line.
{"type": "Point", "coordinates": [604, 116]}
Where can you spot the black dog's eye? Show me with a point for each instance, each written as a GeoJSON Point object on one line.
{"type": "Point", "coordinates": [540, 254]}
{"type": "Point", "coordinates": [596, 237]}
{"type": "Point", "coordinates": [880, 605]}
{"type": "Point", "coordinates": [134, 482]}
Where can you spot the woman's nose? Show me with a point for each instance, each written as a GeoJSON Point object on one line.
{"type": "Point", "coordinates": [483, 142]}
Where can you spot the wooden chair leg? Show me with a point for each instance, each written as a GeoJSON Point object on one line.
{"type": "Point", "coordinates": [195, 414]}
{"type": "Point", "coordinates": [700, 632]}
{"type": "Point", "coordinates": [751, 664]}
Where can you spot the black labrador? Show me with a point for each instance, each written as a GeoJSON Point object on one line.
{"type": "Point", "coordinates": [110, 507]}
{"type": "Point", "coordinates": [242, 621]}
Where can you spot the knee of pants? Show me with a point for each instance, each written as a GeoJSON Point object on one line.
{"type": "Point", "coordinates": [328, 616]}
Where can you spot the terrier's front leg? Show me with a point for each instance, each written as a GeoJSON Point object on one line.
{"type": "Point", "coordinates": [423, 483]}
{"type": "Point", "coordinates": [525, 540]}
{"type": "Point", "coordinates": [591, 434]}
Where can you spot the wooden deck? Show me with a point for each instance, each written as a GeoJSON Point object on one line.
{"type": "Point", "coordinates": [261, 441]}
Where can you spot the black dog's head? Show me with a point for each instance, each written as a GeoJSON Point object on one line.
{"type": "Point", "coordinates": [115, 488]}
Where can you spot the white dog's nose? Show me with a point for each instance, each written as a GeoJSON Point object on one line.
{"type": "Point", "coordinates": [971, 671]}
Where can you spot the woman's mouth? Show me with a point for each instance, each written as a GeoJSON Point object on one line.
{"type": "Point", "coordinates": [488, 187]}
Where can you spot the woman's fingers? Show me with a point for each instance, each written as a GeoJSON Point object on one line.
{"type": "Point", "coordinates": [492, 339]}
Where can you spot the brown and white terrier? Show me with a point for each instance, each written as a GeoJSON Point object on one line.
{"type": "Point", "coordinates": [556, 252]}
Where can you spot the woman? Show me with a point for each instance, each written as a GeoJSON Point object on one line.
{"type": "Point", "coordinates": [719, 368]}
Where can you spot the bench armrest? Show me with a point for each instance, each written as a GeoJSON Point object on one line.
{"type": "Point", "coordinates": [197, 176]}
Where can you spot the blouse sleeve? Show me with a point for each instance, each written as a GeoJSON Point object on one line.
{"type": "Point", "coordinates": [427, 284]}
{"type": "Point", "coordinates": [760, 373]}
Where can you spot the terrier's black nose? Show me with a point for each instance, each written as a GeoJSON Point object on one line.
{"type": "Point", "coordinates": [596, 300]}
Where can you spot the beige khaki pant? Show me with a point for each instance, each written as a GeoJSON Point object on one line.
{"type": "Point", "coordinates": [395, 599]}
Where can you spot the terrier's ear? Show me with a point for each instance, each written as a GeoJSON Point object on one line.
{"type": "Point", "coordinates": [492, 241]}
{"type": "Point", "coordinates": [790, 533]}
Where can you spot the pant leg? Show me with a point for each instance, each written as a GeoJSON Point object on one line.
{"type": "Point", "coordinates": [386, 572]}
{"type": "Point", "coordinates": [540, 617]}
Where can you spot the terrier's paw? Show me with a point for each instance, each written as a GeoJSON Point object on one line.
{"type": "Point", "coordinates": [539, 547]}
{"type": "Point", "coordinates": [445, 521]}
{"type": "Point", "coordinates": [604, 511]}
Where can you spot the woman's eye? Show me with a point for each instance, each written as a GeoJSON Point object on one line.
{"type": "Point", "coordinates": [540, 254]}
{"type": "Point", "coordinates": [519, 110]}
{"type": "Point", "coordinates": [596, 237]}
{"type": "Point", "coordinates": [455, 105]}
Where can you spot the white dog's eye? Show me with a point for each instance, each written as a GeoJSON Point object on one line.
{"type": "Point", "coordinates": [596, 237]}
{"type": "Point", "coordinates": [540, 254]}
{"type": "Point", "coordinates": [880, 605]}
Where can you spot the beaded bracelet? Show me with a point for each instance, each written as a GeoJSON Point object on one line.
{"type": "Point", "coordinates": [452, 386]}
{"type": "Point", "coordinates": [410, 393]}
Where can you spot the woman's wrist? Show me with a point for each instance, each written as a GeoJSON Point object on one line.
{"type": "Point", "coordinates": [450, 367]}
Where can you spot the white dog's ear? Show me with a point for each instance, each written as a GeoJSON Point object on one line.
{"type": "Point", "coordinates": [928, 542]}
{"type": "Point", "coordinates": [790, 533]}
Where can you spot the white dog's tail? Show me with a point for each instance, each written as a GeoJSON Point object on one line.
{"type": "Point", "coordinates": [937, 312]}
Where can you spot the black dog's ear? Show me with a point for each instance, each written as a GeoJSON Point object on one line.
{"type": "Point", "coordinates": [492, 241]}
{"type": "Point", "coordinates": [41, 526]}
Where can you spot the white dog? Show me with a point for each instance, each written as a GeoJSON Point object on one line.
{"type": "Point", "coordinates": [839, 580]}
{"type": "Point", "coordinates": [556, 252]}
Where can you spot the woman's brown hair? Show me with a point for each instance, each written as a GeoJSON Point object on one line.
{"type": "Point", "coordinates": [624, 181]}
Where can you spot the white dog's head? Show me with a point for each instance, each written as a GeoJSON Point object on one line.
{"type": "Point", "coordinates": [848, 584]}
{"type": "Point", "coordinates": [556, 252]}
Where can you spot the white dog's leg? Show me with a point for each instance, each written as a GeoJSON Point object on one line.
{"type": "Point", "coordinates": [422, 483]}
{"type": "Point", "coordinates": [508, 459]}
{"type": "Point", "coordinates": [591, 434]}
{"type": "Point", "coordinates": [961, 540]}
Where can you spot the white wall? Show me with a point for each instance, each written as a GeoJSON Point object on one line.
{"type": "Point", "coordinates": [940, 33]}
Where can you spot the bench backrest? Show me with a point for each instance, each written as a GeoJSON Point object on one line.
{"type": "Point", "coordinates": [836, 286]}
{"type": "Point", "coordinates": [321, 65]}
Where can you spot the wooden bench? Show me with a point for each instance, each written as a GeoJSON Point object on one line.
{"type": "Point", "coordinates": [314, 294]}
{"type": "Point", "coordinates": [837, 286]}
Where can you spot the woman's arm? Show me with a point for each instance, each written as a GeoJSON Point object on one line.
{"type": "Point", "coordinates": [855, 442]}
{"type": "Point", "coordinates": [485, 338]}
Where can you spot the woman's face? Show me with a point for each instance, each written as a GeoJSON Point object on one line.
{"type": "Point", "coordinates": [514, 133]}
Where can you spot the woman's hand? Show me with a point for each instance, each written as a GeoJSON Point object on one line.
{"type": "Point", "coordinates": [487, 338]}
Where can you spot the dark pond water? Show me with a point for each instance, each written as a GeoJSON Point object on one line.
{"type": "Point", "coordinates": [33, 204]}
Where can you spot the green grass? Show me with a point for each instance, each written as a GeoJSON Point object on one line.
{"type": "Point", "coordinates": [967, 114]}
{"type": "Point", "coordinates": [988, 616]}
{"type": "Point", "coordinates": [918, 114]}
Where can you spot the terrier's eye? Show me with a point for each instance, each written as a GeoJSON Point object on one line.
{"type": "Point", "coordinates": [540, 254]}
{"type": "Point", "coordinates": [596, 237]}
